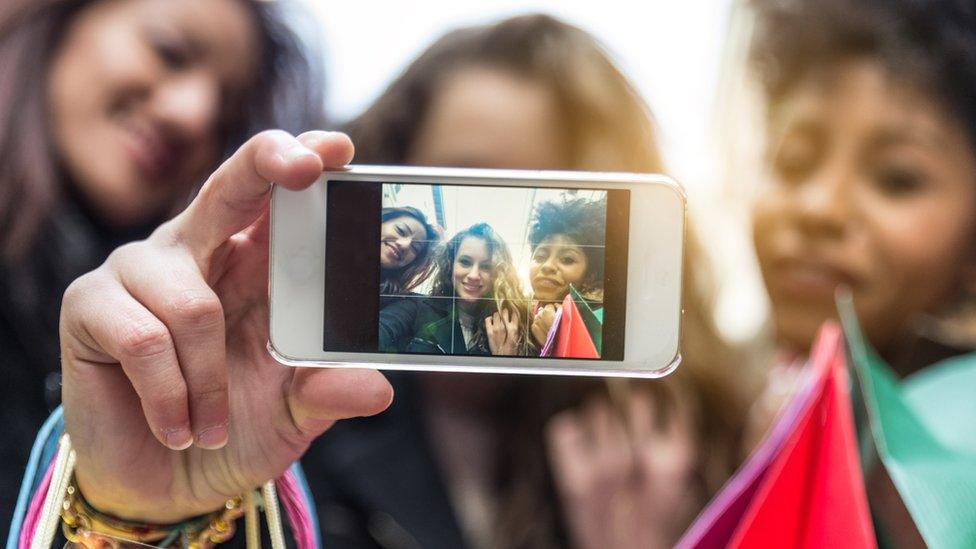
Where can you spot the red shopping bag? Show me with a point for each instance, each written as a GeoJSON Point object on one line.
{"type": "Point", "coordinates": [573, 338]}
{"type": "Point", "coordinates": [803, 486]}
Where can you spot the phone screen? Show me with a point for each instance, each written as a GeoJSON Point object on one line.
{"type": "Point", "coordinates": [446, 269]}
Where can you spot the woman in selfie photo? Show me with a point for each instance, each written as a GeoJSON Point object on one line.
{"type": "Point", "coordinates": [407, 242]}
{"type": "Point", "coordinates": [482, 459]}
{"type": "Point", "coordinates": [110, 114]}
{"type": "Point", "coordinates": [475, 306]}
{"type": "Point", "coordinates": [567, 241]}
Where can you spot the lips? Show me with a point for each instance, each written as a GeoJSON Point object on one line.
{"type": "Point", "coordinates": [809, 279]}
{"type": "Point", "coordinates": [151, 150]}
{"type": "Point", "coordinates": [546, 282]}
{"type": "Point", "coordinates": [394, 251]}
{"type": "Point", "coordinates": [472, 288]}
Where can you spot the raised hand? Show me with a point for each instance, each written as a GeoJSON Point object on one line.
{"type": "Point", "coordinates": [171, 399]}
{"type": "Point", "coordinates": [624, 481]}
{"type": "Point", "coordinates": [542, 323]}
{"type": "Point", "coordinates": [502, 330]}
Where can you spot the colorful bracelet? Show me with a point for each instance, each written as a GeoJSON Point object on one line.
{"type": "Point", "coordinates": [89, 527]}
{"type": "Point", "coordinates": [58, 500]}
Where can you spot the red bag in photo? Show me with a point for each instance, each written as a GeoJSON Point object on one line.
{"type": "Point", "coordinates": [573, 338]}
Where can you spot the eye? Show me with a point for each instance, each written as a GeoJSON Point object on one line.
{"type": "Point", "coordinates": [540, 255]}
{"type": "Point", "coordinates": [796, 158]}
{"type": "Point", "coordinates": [172, 51]}
{"type": "Point", "coordinates": [401, 230]}
{"type": "Point", "coordinates": [567, 260]}
{"type": "Point", "coordinates": [897, 182]}
{"type": "Point", "coordinates": [464, 262]}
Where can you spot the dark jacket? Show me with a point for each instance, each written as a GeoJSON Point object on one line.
{"type": "Point", "coordinates": [70, 245]}
{"type": "Point", "coordinates": [375, 481]}
{"type": "Point", "coordinates": [427, 325]}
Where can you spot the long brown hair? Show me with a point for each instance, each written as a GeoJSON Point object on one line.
{"type": "Point", "coordinates": [607, 127]}
{"type": "Point", "coordinates": [606, 124]}
{"type": "Point", "coordinates": [506, 287]}
{"type": "Point", "coordinates": [31, 185]}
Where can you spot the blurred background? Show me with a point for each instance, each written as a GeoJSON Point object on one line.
{"type": "Point", "coordinates": [684, 58]}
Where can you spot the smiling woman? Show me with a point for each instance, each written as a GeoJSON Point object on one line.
{"type": "Point", "coordinates": [140, 100]}
{"type": "Point", "coordinates": [139, 95]}
{"type": "Point", "coordinates": [407, 239]}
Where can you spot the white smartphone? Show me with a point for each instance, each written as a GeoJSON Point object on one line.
{"type": "Point", "coordinates": [449, 269]}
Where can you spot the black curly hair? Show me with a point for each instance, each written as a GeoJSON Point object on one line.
{"type": "Point", "coordinates": [581, 220]}
{"type": "Point", "coordinates": [930, 44]}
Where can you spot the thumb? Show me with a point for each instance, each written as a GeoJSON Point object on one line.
{"type": "Point", "coordinates": [237, 193]}
{"type": "Point", "coordinates": [318, 397]}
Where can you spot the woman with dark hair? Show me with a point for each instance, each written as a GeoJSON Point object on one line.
{"type": "Point", "coordinates": [567, 240]}
{"type": "Point", "coordinates": [476, 304]}
{"type": "Point", "coordinates": [110, 114]}
{"type": "Point", "coordinates": [871, 156]}
{"type": "Point", "coordinates": [482, 460]}
{"type": "Point", "coordinates": [870, 104]}
{"type": "Point", "coordinates": [407, 240]}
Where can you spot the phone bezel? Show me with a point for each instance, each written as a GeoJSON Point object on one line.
{"type": "Point", "coordinates": [657, 218]}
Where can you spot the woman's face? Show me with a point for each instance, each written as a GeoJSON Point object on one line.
{"type": "Point", "coordinates": [873, 187]}
{"type": "Point", "coordinates": [472, 273]}
{"type": "Point", "coordinates": [402, 239]}
{"type": "Point", "coordinates": [488, 118]}
{"type": "Point", "coordinates": [138, 94]}
{"type": "Point", "coordinates": [556, 263]}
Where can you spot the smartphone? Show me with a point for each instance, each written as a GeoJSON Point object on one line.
{"type": "Point", "coordinates": [473, 270]}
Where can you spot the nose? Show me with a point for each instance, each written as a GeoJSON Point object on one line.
{"type": "Point", "coordinates": [824, 204]}
{"type": "Point", "coordinates": [404, 243]}
{"type": "Point", "coordinates": [549, 267]}
{"type": "Point", "coordinates": [474, 274]}
{"type": "Point", "coordinates": [188, 104]}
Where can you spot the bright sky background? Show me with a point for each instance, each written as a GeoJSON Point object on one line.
{"type": "Point", "coordinates": [672, 51]}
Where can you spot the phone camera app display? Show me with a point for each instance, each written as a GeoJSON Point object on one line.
{"type": "Point", "coordinates": [487, 270]}
{"type": "Point", "coordinates": [478, 270]}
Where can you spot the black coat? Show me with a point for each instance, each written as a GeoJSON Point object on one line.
{"type": "Point", "coordinates": [70, 245]}
{"type": "Point", "coordinates": [376, 483]}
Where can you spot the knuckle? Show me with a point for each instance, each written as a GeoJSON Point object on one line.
{"type": "Point", "coordinates": [270, 138]}
{"type": "Point", "coordinates": [76, 291]}
{"type": "Point", "coordinates": [197, 308]}
{"type": "Point", "coordinates": [168, 400]}
{"type": "Point", "coordinates": [211, 391]}
{"type": "Point", "coordinates": [143, 339]}
{"type": "Point", "coordinates": [126, 254]}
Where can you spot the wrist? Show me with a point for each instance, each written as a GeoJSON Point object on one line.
{"type": "Point", "coordinates": [135, 507]}
{"type": "Point", "coordinates": [137, 496]}
{"type": "Point", "coordinates": [84, 521]}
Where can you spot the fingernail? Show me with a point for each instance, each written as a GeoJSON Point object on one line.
{"type": "Point", "coordinates": [296, 152]}
{"type": "Point", "coordinates": [212, 438]}
{"type": "Point", "coordinates": [179, 439]}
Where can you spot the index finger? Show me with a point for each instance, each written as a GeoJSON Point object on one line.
{"type": "Point", "coordinates": [238, 192]}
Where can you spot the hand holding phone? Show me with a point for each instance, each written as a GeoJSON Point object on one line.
{"type": "Point", "coordinates": [150, 338]}
{"type": "Point", "coordinates": [445, 269]}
